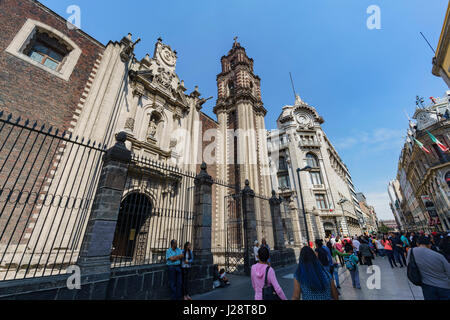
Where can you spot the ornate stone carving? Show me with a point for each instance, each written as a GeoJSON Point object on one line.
{"type": "Point", "coordinates": [129, 124]}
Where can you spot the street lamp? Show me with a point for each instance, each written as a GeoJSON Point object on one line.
{"type": "Point", "coordinates": [341, 202]}
{"type": "Point", "coordinates": [307, 168]}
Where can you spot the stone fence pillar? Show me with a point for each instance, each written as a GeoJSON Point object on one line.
{"type": "Point", "coordinates": [277, 223]}
{"type": "Point", "coordinates": [97, 243]}
{"type": "Point", "coordinates": [250, 233]}
{"type": "Point", "coordinates": [203, 268]}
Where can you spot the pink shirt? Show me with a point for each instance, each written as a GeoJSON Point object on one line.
{"type": "Point", "coordinates": [258, 275]}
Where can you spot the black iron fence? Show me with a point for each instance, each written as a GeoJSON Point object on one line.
{"type": "Point", "coordinates": [157, 207]}
{"type": "Point", "coordinates": [48, 180]}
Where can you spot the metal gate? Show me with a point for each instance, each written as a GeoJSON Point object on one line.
{"type": "Point", "coordinates": [235, 235]}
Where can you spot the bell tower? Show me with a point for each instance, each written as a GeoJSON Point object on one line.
{"type": "Point", "coordinates": [240, 113]}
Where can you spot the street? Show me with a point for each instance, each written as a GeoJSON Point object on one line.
{"type": "Point", "coordinates": [394, 285]}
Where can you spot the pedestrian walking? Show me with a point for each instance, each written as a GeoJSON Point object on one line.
{"type": "Point", "coordinates": [339, 247]}
{"type": "Point", "coordinates": [311, 280]}
{"type": "Point", "coordinates": [366, 253]}
{"type": "Point", "coordinates": [379, 246]}
{"type": "Point", "coordinates": [186, 265]}
{"type": "Point", "coordinates": [255, 250]}
{"type": "Point", "coordinates": [263, 276]}
{"type": "Point", "coordinates": [356, 243]}
{"type": "Point", "coordinates": [434, 270]}
{"type": "Point", "coordinates": [389, 251]}
{"type": "Point", "coordinates": [174, 255]}
{"type": "Point", "coordinates": [335, 266]}
{"type": "Point", "coordinates": [398, 250]}
{"type": "Point", "coordinates": [351, 263]}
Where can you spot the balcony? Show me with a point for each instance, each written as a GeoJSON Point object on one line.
{"type": "Point", "coordinates": [308, 144]}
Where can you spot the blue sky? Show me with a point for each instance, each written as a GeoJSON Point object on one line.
{"type": "Point", "coordinates": [360, 80]}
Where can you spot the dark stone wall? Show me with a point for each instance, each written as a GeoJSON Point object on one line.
{"type": "Point", "coordinates": [128, 283]}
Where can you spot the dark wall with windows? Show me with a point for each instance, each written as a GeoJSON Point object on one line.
{"type": "Point", "coordinates": [29, 91]}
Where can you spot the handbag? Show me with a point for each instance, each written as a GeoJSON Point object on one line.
{"type": "Point", "coordinates": [269, 292]}
{"type": "Point", "coordinates": [413, 271]}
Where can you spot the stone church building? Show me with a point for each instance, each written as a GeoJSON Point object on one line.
{"type": "Point", "coordinates": [67, 79]}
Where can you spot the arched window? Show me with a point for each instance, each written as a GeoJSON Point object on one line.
{"type": "Point", "coordinates": [311, 160]}
{"type": "Point", "coordinates": [231, 87]}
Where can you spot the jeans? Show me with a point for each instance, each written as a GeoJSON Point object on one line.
{"type": "Point", "coordinates": [435, 293]}
{"type": "Point", "coordinates": [336, 275]}
{"type": "Point", "coordinates": [186, 272]}
{"type": "Point", "coordinates": [360, 258]}
{"type": "Point", "coordinates": [368, 261]}
{"type": "Point", "coordinates": [355, 278]}
{"type": "Point", "coordinates": [390, 255]}
{"type": "Point", "coordinates": [381, 252]}
{"type": "Point", "coordinates": [175, 282]}
{"type": "Point", "coordinates": [399, 257]}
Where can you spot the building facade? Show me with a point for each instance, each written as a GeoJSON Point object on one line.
{"type": "Point", "coordinates": [441, 60]}
{"type": "Point", "coordinates": [424, 169]}
{"type": "Point", "coordinates": [325, 190]}
{"type": "Point", "coordinates": [95, 91]}
{"type": "Point", "coordinates": [369, 214]}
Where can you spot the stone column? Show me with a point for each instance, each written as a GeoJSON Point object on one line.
{"type": "Point", "coordinates": [250, 234]}
{"type": "Point", "coordinates": [203, 216]}
{"type": "Point", "coordinates": [96, 247]}
{"type": "Point", "coordinates": [202, 268]}
{"type": "Point", "coordinates": [277, 224]}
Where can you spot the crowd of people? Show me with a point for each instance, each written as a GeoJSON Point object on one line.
{"type": "Point", "coordinates": [317, 276]}
{"type": "Point", "coordinates": [317, 273]}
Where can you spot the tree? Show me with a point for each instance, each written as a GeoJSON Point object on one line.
{"type": "Point", "coordinates": [384, 228]}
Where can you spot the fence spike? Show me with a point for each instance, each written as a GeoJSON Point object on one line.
{"type": "Point", "coordinates": [9, 117]}
{"type": "Point", "coordinates": [76, 138]}
{"type": "Point", "coordinates": [18, 120]}
{"type": "Point", "coordinates": [50, 129]}
{"type": "Point", "coordinates": [82, 139]}
{"type": "Point", "coordinates": [26, 123]}
{"type": "Point", "coordinates": [56, 132]}
{"type": "Point", "coordinates": [89, 142]}
{"type": "Point", "coordinates": [1, 114]}
{"type": "Point", "coordinates": [94, 143]}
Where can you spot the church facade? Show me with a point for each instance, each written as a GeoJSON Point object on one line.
{"type": "Point", "coordinates": [96, 91]}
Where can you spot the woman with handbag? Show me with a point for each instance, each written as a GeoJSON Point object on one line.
{"type": "Point", "coordinates": [264, 280]}
{"type": "Point", "coordinates": [311, 280]}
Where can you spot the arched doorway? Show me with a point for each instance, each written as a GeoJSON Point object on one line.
{"type": "Point", "coordinates": [130, 238]}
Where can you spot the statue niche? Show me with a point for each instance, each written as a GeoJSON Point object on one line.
{"type": "Point", "coordinates": [154, 127]}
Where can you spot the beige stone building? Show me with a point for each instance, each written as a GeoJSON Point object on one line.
{"type": "Point", "coordinates": [327, 189]}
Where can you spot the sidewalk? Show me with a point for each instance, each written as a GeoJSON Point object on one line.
{"type": "Point", "coordinates": [394, 285]}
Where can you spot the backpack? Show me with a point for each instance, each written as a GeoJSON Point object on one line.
{"type": "Point", "coordinates": [268, 292]}
{"type": "Point", "coordinates": [349, 264]}
{"type": "Point", "coordinates": [413, 271]}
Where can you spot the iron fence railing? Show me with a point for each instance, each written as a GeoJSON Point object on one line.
{"type": "Point", "coordinates": [47, 184]}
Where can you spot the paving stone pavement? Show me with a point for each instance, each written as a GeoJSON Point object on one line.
{"type": "Point", "coordinates": [394, 285]}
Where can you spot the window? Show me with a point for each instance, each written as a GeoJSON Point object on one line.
{"type": "Point", "coordinates": [321, 201]}
{"type": "Point", "coordinates": [46, 48]}
{"type": "Point", "coordinates": [282, 164]}
{"type": "Point", "coordinates": [283, 181]}
{"type": "Point", "coordinates": [311, 160]}
{"type": "Point", "coordinates": [316, 178]}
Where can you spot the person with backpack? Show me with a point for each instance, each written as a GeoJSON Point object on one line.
{"type": "Point", "coordinates": [366, 252]}
{"type": "Point", "coordinates": [311, 280]}
{"type": "Point", "coordinates": [430, 270]}
{"type": "Point", "coordinates": [351, 263]}
{"type": "Point", "coordinates": [264, 280]}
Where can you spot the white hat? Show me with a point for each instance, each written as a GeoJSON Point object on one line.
{"type": "Point", "coordinates": [256, 242]}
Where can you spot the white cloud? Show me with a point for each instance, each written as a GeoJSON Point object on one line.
{"type": "Point", "coordinates": [377, 140]}
{"type": "Point", "coordinates": [380, 201]}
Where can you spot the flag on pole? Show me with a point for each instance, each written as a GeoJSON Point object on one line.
{"type": "Point", "coordinates": [440, 145]}
{"type": "Point", "coordinates": [420, 144]}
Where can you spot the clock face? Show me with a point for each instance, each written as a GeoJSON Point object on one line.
{"type": "Point", "coordinates": [303, 119]}
{"type": "Point", "coordinates": [168, 57]}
